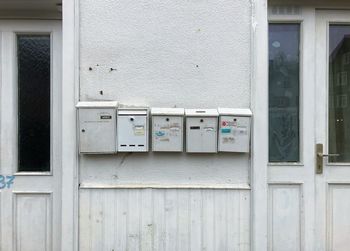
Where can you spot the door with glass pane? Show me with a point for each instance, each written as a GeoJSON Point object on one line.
{"type": "Point", "coordinates": [291, 132]}
{"type": "Point", "coordinates": [332, 130]}
{"type": "Point", "coordinates": [30, 149]}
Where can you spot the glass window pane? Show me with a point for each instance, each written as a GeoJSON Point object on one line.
{"type": "Point", "coordinates": [339, 91]}
{"type": "Point", "coordinates": [33, 53]}
{"type": "Point", "coordinates": [284, 81]}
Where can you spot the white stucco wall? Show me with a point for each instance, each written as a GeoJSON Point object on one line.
{"type": "Point", "coordinates": [191, 54]}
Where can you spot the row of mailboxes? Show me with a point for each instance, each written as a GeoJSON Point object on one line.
{"type": "Point", "coordinates": [105, 128]}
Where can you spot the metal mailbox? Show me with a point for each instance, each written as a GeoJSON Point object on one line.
{"type": "Point", "coordinates": [97, 127]}
{"type": "Point", "coordinates": [234, 130]}
{"type": "Point", "coordinates": [167, 129]}
{"type": "Point", "coordinates": [132, 130]}
{"type": "Point", "coordinates": [201, 130]}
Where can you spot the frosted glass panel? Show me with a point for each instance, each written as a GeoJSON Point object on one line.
{"type": "Point", "coordinates": [339, 91]}
{"type": "Point", "coordinates": [33, 53]}
{"type": "Point", "coordinates": [284, 92]}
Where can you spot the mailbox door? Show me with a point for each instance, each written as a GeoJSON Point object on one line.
{"type": "Point", "coordinates": [201, 134]}
{"type": "Point", "coordinates": [167, 133]}
{"type": "Point", "coordinates": [97, 130]}
{"type": "Point", "coordinates": [132, 133]}
{"type": "Point", "coordinates": [234, 134]}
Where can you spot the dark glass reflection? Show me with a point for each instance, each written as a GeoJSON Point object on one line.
{"type": "Point", "coordinates": [284, 42]}
{"type": "Point", "coordinates": [33, 102]}
{"type": "Point", "coordinates": [339, 91]}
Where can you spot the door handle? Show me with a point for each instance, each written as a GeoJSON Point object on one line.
{"type": "Point", "coordinates": [319, 158]}
{"type": "Point", "coordinates": [328, 155]}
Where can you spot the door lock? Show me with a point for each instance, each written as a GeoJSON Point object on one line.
{"type": "Point", "coordinates": [320, 156]}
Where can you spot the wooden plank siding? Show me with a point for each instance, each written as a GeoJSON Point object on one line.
{"type": "Point", "coordinates": [164, 219]}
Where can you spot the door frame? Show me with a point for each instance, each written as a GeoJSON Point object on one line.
{"type": "Point", "coordinates": [259, 107]}
{"type": "Point", "coordinates": [70, 97]}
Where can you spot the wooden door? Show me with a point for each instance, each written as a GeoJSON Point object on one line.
{"type": "Point", "coordinates": [332, 127]}
{"type": "Point", "coordinates": [30, 117]}
{"type": "Point", "coordinates": [290, 172]}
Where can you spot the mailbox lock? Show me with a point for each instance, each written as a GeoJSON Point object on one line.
{"type": "Point", "coordinates": [201, 120]}
{"type": "Point", "coordinates": [131, 119]}
{"type": "Point", "coordinates": [83, 130]}
{"type": "Point", "coordinates": [167, 119]}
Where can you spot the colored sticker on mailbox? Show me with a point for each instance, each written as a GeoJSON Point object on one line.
{"type": "Point", "coordinates": [159, 133]}
{"type": "Point", "coordinates": [225, 130]}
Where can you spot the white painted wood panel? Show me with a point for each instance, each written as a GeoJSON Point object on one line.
{"type": "Point", "coordinates": [332, 224]}
{"type": "Point", "coordinates": [338, 217]}
{"type": "Point", "coordinates": [285, 217]}
{"type": "Point", "coordinates": [291, 190]}
{"type": "Point", "coordinates": [33, 221]}
{"type": "Point", "coordinates": [31, 216]}
{"type": "Point", "coordinates": [164, 219]}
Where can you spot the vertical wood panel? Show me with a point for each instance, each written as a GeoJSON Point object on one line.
{"type": "Point", "coordinates": [97, 220]}
{"type": "Point", "coordinates": [233, 230]}
{"type": "Point", "coordinates": [33, 221]}
{"type": "Point", "coordinates": [159, 238]}
{"type": "Point", "coordinates": [208, 236]}
{"type": "Point", "coordinates": [183, 221]}
{"type": "Point", "coordinates": [120, 226]}
{"type": "Point", "coordinates": [109, 214]}
{"type": "Point", "coordinates": [196, 215]}
{"type": "Point", "coordinates": [164, 219]}
{"type": "Point", "coordinates": [147, 227]}
{"type": "Point", "coordinates": [339, 217]}
{"type": "Point", "coordinates": [170, 220]}
{"type": "Point", "coordinates": [1, 212]}
{"type": "Point", "coordinates": [85, 225]}
{"type": "Point", "coordinates": [285, 219]}
{"type": "Point", "coordinates": [244, 221]}
{"type": "Point", "coordinates": [220, 217]}
{"type": "Point", "coordinates": [134, 218]}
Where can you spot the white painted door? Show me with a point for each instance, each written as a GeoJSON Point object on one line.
{"type": "Point", "coordinates": [309, 201]}
{"type": "Point", "coordinates": [30, 153]}
{"type": "Point", "coordinates": [333, 129]}
{"type": "Point", "coordinates": [290, 172]}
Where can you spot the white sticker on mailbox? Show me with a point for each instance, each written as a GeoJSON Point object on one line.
{"type": "Point", "coordinates": [139, 130]}
{"type": "Point", "coordinates": [167, 133]}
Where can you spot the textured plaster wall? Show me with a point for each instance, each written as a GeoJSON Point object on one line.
{"type": "Point", "coordinates": [183, 53]}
